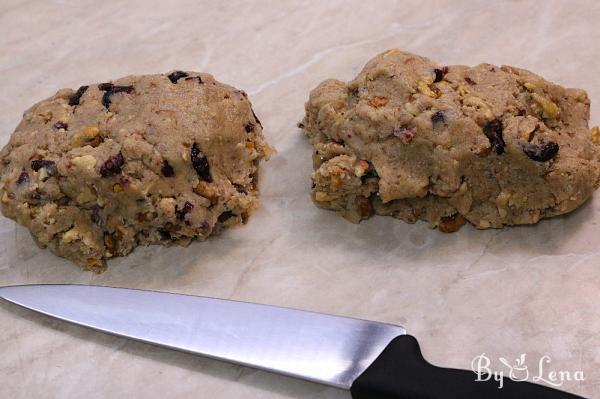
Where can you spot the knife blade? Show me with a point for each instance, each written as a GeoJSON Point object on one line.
{"type": "Point", "coordinates": [373, 360]}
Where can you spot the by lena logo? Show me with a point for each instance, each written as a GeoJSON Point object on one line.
{"type": "Point", "coordinates": [518, 370]}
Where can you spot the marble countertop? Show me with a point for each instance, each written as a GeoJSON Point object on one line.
{"type": "Point", "coordinates": [532, 290]}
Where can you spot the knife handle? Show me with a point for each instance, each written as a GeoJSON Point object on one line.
{"type": "Point", "coordinates": [401, 372]}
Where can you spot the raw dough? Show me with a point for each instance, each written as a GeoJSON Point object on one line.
{"type": "Point", "coordinates": [491, 145]}
{"type": "Point", "coordinates": [157, 159]}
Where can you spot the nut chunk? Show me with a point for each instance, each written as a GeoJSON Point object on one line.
{"type": "Point", "coordinates": [95, 172]}
{"type": "Point", "coordinates": [493, 146]}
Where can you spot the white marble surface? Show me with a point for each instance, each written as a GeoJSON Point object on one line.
{"type": "Point", "coordinates": [505, 292]}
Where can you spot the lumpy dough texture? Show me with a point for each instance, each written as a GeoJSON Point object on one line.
{"type": "Point", "coordinates": [157, 159]}
{"type": "Point", "coordinates": [494, 146]}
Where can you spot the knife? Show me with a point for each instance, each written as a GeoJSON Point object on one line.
{"type": "Point", "coordinates": [373, 360]}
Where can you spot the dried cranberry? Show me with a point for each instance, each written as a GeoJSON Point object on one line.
{"type": "Point", "coordinates": [493, 131]}
{"type": "Point", "coordinates": [112, 166]}
{"type": "Point", "coordinates": [542, 152]}
{"type": "Point", "coordinates": [60, 125]}
{"type": "Point", "coordinates": [167, 170]}
{"type": "Point", "coordinates": [74, 99]}
{"type": "Point", "coordinates": [23, 178]}
{"type": "Point", "coordinates": [95, 216]}
{"type": "Point", "coordinates": [38, 164]}
{"type": "Point", "coordinates": [256, 118]}
{"type": "Point", "coordinates": [240, 189]}
{"type": "Point", "coordinates": [404, 133]}
{"type": "Point", "coordinates": [196, 78]}
{"type": "Point", "coordinates": [119, 89]}
{"type": "Point", "coordinates": [110, 89]}
{"type": "Point", "coordinates": [200, 164]}
{"type": "Point", "coordinates": [249, 127]}
{"type": "Point", "coordinates": [187, 208]}
{"type": "Point", "coordinates": [438, 118]}
{"type": "Point", "coordinates": [225, 216]}
{"type": "Point", "coordinates": [445, 70]}
{"type": "Point", "coordinates": [105, 86]}
{"type": "Point", "coordinates": [439, 75]}
{"type": "Point", "coordinates": [164, 234]}
{"type": "Point", "coordinates": [175, 76]}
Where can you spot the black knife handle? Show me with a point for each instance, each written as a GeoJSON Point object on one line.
{"type": "Point", "coordinates": [401, 372]}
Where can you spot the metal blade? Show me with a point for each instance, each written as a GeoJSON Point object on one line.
{"type": "Point", "coordinates": [312, 346]}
